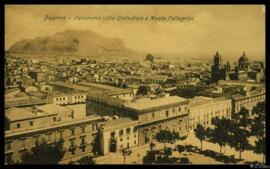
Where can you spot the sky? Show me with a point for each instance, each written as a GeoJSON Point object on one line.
{"type": "Point", "coordinates": [230, 29]}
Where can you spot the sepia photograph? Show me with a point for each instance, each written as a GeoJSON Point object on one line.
{"type": "Point", "coordinates": [135, 84]}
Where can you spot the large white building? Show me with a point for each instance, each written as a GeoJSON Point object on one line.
{"type": "Point", "coordinates": [118, 133]}
{"type": "Point", "coordinates": [203, 109]}
{"type": "Point", "coordinates": [51, 123]}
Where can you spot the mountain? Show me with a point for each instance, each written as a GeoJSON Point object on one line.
{"type": "Point", "coordinates": [81, 42]}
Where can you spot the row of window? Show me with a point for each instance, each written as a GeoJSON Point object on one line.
{"type": "Point", "coordinates": [251, 99]}
{"type": "Point", "coordinates": [60, 99]}
{"type": "Point", "coordinates": [121, 139]}
{"type": "Point", "coordinates": [49, 136]}
{"type": "Point", "coordinates": [121, 132]}
{"type": "Point", "coordinates": [166, 113]}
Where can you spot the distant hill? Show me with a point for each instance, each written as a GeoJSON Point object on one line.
{"type": "Point", "coordinates": [81, 42]}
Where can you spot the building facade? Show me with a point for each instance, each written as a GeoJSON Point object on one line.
{"type": "Point", "coordinates": [117, 134]}
{"type": "Point", "coordinates": [203, 109]}
{"type": "Point", "coordinates": [78, 134]}
{"type": "Point", "coordinates": [247, 99]}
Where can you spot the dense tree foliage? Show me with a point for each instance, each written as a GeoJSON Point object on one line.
{"type": "Point", "coordinates": [44, 153]}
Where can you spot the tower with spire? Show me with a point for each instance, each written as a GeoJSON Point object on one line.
{"type": "Point", "coordinates": [219, 71]}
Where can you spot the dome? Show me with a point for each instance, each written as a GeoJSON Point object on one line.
{"type": "Point", "coordinates": [243, 58]}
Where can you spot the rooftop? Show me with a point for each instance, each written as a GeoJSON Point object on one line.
{"type": "Point", "coordinates": [147, 103]}
{"type": "Point", "coordinates": [15, 113]}
{"type": "Point", "coordinates": [53, 109]}
{"type": "Point", "coordinates": [201, 100]}
{"type": "Point", "coordinates": [118, 122]}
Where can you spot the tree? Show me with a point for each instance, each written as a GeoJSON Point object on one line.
{"type": "Point", "coordinates": [86, 160]}
{"type": "Point", "coordinates": [44, 153]}
{"type": "Point", "coordinates": [180, 149]}
{"type": "Point", "coordinates": [219, 134]}
{"type": "Point", "coordinates": [260, 147]}
{"type": "Point", "coordinates": [164, 136]}
{"type": "Point", "coordinates": [242, 117]}
{"type": "Point", "coordinates": [143, 90]}
{"type": "Point", "coordinates": [125, 152]}
{"type": "Point", "coordinates": [200, 133]}
{"type": "Point", "coordinates": [174, 137]}
{"type": "Point", "coordinates": [258, 128]}
{"type": "Point", "coordinates": [239, 140]}
{"type": "Point", "coordinates": [258, 125]}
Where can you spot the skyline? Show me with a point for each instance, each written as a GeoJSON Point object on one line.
{"type": "Point", "coordinates": [230, 29]}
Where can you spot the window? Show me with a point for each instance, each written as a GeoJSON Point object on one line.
{"type": "Point", "coordinates": [134, 142]}
{"type": "Point", "coordinates": [134, 130]}
{"type": "Point", "coordinates": [121, 139]}
{"type": "Point", "coordinates": [134, 135]}
{"type": "Point", "coordinates": [127, 138]}
{"type": "Point", "coordinates": [72, 131]}
{"type": "Point", "coordinates": [167, 113]}
{"type": "Point", "coordinates": [179, 109]}
{"type": "Point", "coordinates": [83, 129]}
{"type": "Point", "coordinates": [18, 125]}
{"type": "Point", "coordinates": [8, 145]}
{"type": "Point", "coordinates": [8, 158]}
{"type": "Point", "coordinates": [72, 144]}
{"type": "Point", "coordinates": [72, 115]}
{"type": "Point", "coordinates": [54, 119]}
{"type": "Point", "coordinates": [173, 110]}
{"type": "Point", "coordinates": [36, 139]}
{"type": "Point", "coordinates": [49, 135]}
{"type": "Point", "coordinates": [61, 133]}
{"type": "Point", "coordinates": [153, 115]}
{"type": "Point", "coordinates": [31, 123]}
{"type": "Point", "coordinates": [112, 134]}
{"type": "Point", "coordinates": [121, 132]}
{"type": "Point", "coordinates": [128, 130]}
{"type": "Point", "coordinates": [94, 127]}
{"type": "Point", "coordinates": [83, 140]}
{"type": "Point", "coordinates": [23, 143]}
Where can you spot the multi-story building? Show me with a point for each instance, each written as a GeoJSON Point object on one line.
{"type": "Point", "coordinates": [59, 98]}
{"type": "Point", "coordinates": [247, 99]}
{"type": "Point", "coordinates": [27, 127]}
{"type": "Point", "coordinates": [94, 88]}
{"type": "Point", "coordinates": [38, 76]}
{"type": "Point", "coordinates": [153, 115]}
{"type": "Point", "coordinates": [203, 109]}
{"type": "Point", "coordinates": [118, 133]}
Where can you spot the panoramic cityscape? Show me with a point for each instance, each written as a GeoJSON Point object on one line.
{"type": "Point", "coordinates": [79, 97]}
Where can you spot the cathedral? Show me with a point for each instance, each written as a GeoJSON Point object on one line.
{"type": "Point", "coordinates": [245, 70]}
{"type": "Point", "coordinates": [219, 70]}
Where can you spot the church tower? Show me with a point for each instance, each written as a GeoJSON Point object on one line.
{"type": "Point", "coordinates": [215, 70]}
